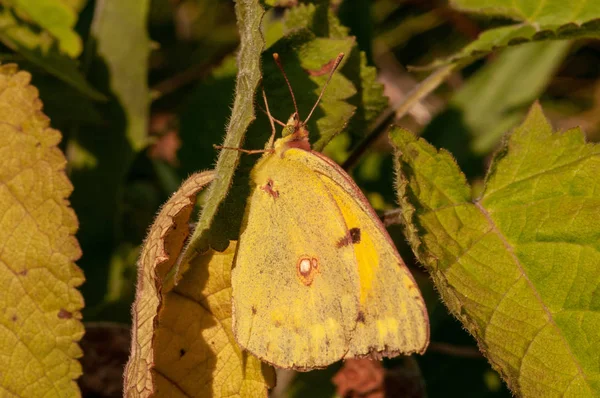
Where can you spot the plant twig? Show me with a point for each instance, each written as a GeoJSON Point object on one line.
{"type": "Point", "coordinates": [455, 350]}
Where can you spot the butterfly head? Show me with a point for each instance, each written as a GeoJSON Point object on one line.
{"type": "Point", "coordinates": [295, 133]}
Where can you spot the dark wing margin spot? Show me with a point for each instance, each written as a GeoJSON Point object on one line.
{"type": "Point", "coordinates": [352, 237]}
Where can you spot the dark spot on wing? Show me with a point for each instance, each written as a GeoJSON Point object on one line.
{"type": "Point", "coordinates": [64, 314]}
{"type": "Point", "coordinates": [355, 235]}
{"type": "Point", "coordinates": [181, 352]}
{"type": "Point", "coordinates": [268, 188]}
{"type": "Point", "coordinates": [253, 310]}
{"type": "Point", "coordinates": [352, 237]}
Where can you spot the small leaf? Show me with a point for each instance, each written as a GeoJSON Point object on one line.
{"type": "Point", "coordinates": [41, 49]}
{"type": "Point", "coordinates": [164, 242]}
{"type": "Point", "coordinates": [307, 62]}
{"type": "Point", "coordinates": [520, 265]}
{"type": "Point", "coordinates": [40, 303]}
{"type": "Point", "coordinates": [548, 20]}
{"type": "Point", "coordinates": [350, 108]}
{"type": "Point", "coordinates": [127, 60]}
{"type": "Point", "coordinates": [58, 18]}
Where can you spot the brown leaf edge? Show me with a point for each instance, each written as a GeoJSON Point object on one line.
{"type": "Point", "coordinates": [160, 251]}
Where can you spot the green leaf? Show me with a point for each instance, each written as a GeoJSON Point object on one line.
{"type": "Point", "coordinates": [520, 266]}
{"type": "Point", "coordinates": [127, 60]}
{"type": "Point", "coordinates": [57, 17]}
{"type": "Point", "coordinates": [307, 60]}
{"type": "Point", "coordinates": [363, 100]}
{"type": "Point", "coordinates": [537, 20]}
{"type": "Point", "coordinates": [494, 100]}
{"type": "Point", "coordinates": [249, 15]}
{"type": "Point", "coordinates": [41, 320]}
{"type": "Point", "coordinates": [41, 49]}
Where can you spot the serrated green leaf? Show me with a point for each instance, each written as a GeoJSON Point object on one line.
{"type": "Point", "coordinates": [306, 60]}
{"type": "Point", "coordinates": [127, 60]}
{"type": "Point", "coordinates": [249, 15]}
{"type": "Point", "coordinates": [493, 101]}
{"type": "Point", "coordinates": [520, 265]}
{"type": "Point", "coordinates": [57, 17]}
{"type": "Point", "coordinates": [42, 50]}
{"type": "Point", "coordinates": [537, 20]}
{"type": "Point", "coordinates": [355, 112]}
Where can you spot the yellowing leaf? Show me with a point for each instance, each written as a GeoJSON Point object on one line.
{"type": "Point", "coordinates": [40, 321]}
{"type": "Point", "coordinates": [197, 355]}
{"type": "Point", "coordinates": [520, 266]}
{"type": "Point", "coordinates": [182, 342]}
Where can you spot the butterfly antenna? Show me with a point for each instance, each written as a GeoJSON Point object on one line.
{"type": "Point", "coordinates": [271, 120]}
{"type": "Point", "coordinates": [277, 121]}
{"type": "Point", "coordinates": [333, 68]}
{"type": "Point", "coordinates": [276, 58]}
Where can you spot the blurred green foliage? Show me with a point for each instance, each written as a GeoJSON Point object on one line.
{"type": "Point", "coordinates": [149, 91]}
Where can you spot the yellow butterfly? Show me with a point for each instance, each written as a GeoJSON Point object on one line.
{"type": "Point", "coordinates": [316, 277]}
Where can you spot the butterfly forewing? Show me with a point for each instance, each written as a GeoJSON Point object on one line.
{"type": "Point", "coordinates": [294, 289]}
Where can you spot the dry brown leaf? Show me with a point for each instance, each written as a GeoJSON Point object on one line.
{"type": "Point", "coordinates": [159, 254]}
